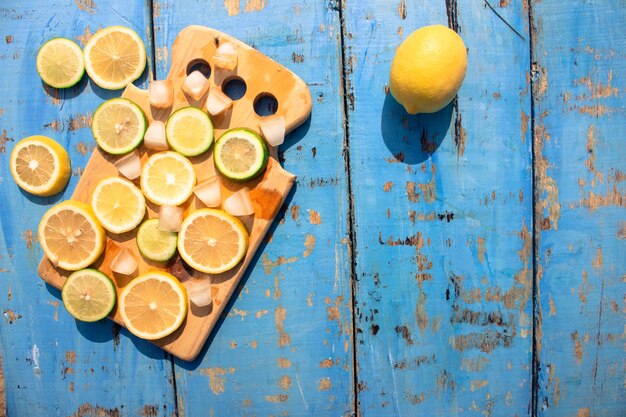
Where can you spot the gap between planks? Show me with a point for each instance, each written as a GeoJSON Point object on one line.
{"type": "Point", "coordinates": [535, 240]}
{"type": "Point", "coordinates": [339, 8]}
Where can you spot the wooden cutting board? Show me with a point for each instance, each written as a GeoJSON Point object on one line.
{"type": "Point", "coordinates": [197, 44]}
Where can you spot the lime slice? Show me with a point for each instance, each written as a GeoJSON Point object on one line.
{"type": "Point", "coordinates": [118, 204]}
{"type": "Point", "coordinates": [88, 295]}
{"type": "Point", "coordinates": [153, 305]}
{"type": "Point", "coordinates": [60, 63]}
{"type": "Point", "coordinates": [115, 57]}
{"type": "Point", "coordinates": [156, 244]}
{"type": "Point", "coordinates": [118, 126]}
{"type": "Point", "coordinates": [40, 165]}
{"type": "Point", "coordinates": [240, 154]}
{"type": "Point", "coordinates": [168, 178]}
{"type": "Point", "coordinates": [189, 131]}
{"type": "Point", "coordinates": [212, 241]}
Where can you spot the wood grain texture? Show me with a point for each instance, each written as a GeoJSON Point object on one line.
{"type": "Point", "coordinates": [443, 217]}
{"type": "Point", "coordinates": [54, 365]}
{"type": "Point", "coordinates": [579, 128]}
{"type": "Point", "coordinates": [284, 344]}
{"type": "Point", "coordinates": [268, 192]}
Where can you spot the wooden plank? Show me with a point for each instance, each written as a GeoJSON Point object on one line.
{"type": "Point", "coordinates": [54, 365]}
{"type": "Point", "coordinates": [443, 217]}
{"type": "Point", "coordinates": [267, 192]}
{"type": "Point", "coordinates": [284, 346]}
{"type": "Point", "coordinates": [579, 84]}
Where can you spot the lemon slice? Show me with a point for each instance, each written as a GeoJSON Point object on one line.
{"type": "Point", "coordinates": [212, 241]}
{"type": "Point", "coordinates": [118, 204]}
{"type": "Point", "coordinates": [40, 165]}
{"type": "Point", "coordinates": [156, 244]}
{"type": "Point", "coordinates": [240, 154]}
{"type": "Point", "coordinates": [88, 295]}
{"type": "Point", "coordinates": [71, 236]}
{"type": "Point", "coordinates": [189, 131]}
{"type": "Point", "coordinates": [153, 305]}
{"type": "Point", "coordinates": [115, 57]}
{"type": "Point", "coordinates": [118, 126]}
{"type": "Point", "coordinates": [168, 179]}
{"type": "Point", "coordinates": [60, 63]}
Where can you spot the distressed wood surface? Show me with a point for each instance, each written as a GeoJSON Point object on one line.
{"type": "Point", "coordinates": [579, 84]}
{"type": "Point", "coordinates": [443, 218]}
{"type": "Point", "coordinates": [55, 365]}
{"type": "Point", "coordinates": [449, 232]}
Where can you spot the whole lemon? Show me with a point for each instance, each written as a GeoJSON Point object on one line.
{"type": "Point", "coordinates": [428, 69]}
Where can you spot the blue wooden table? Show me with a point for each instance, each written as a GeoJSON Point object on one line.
{"type": "Point", "coordinates": [470, 262]}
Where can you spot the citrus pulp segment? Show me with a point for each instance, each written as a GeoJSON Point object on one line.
{"type": "Point", "coordinates": [153, 305]}
{"type": "Point", "coordinates": [114, 57]}
{"type": "Point", "coordinates": [212, 241]}
{"type": "Point", "coordinates": [156, 244]}
{"type": "Point", "coordinates": [40, 165]}
{"type": "Point", "coordinates": [88, 295]}
{"type": "Point", "coordinates": [168, 178]}
{"type": "Point", "coordinates": [71, 236]}
{"type": "Point", "coordinates": [118, 126]}
{"type": "Point", "coordinates": [189, 131]}
{"type": "Point", "coordinates": [60, 63]}
{"type": "Point", "coordinates": [118, 204]}
{"type": "Point", "coordinates": [240, 154]}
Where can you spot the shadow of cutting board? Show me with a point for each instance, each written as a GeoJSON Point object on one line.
{"type": "Point", "coordinates": [263, 77]}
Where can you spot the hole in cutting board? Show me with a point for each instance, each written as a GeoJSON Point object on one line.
{"type": "Point", "coordinates": [234, 87]}
{"type": "Point", "coordinates": [265, 104]}
{"type": "Point", "coordinates": [199, 65]}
